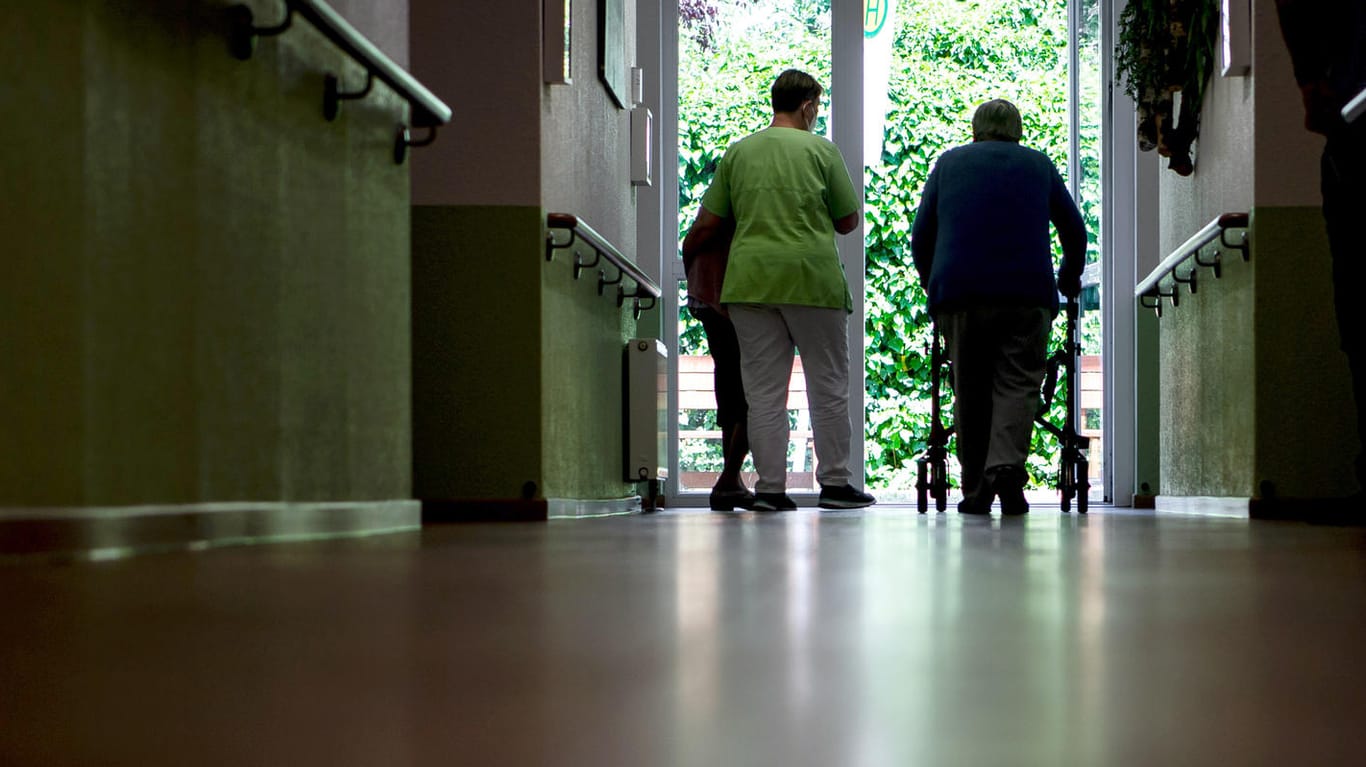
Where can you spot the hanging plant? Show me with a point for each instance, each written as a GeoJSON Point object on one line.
{"type": "Point", "coordinates": [1166, 47]}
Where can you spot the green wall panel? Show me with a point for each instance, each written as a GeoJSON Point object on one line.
{"type": "Point", "coordinates": [212, 292]}
{"type": "Point", "coordinates": [517, 366]}
{"type": "Point", "coordinates": [477, 357]}
{"type": "Point", "coordinates": [1254, 388]}
{"type": "Point", "coordinates": [1306, 428]}
{"type": "Point", "coordinates": [1148, 394]}
{"type": "Point", "coordinates": [42, 229]}
{"type": "Point", "coordinates": [585, 336]}
{"type": "Point", "coordinates": [1208, 387]}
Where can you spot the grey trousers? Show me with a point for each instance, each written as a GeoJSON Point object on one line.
{"type": "Point", "coordinates": [768, 334]}
{"type": "Point", "coordinates": [999, 357]}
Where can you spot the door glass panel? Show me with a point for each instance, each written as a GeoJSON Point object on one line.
{"type": "Point", "coordinates": [947, 58]}
{"type": "Point", "coordinates": [1090, 92]}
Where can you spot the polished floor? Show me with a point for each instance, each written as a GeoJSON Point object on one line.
{"type": "Point", "coordinates": [690, 638]}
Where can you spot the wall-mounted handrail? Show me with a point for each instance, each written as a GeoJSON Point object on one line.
{"type": "Point", "coordinates": [580, 231]}
{"type": "Point", "coordinates": [1355, 109]}
{"type": "Point", "coordinates": [1166, 280]}
{"type": "Point", "coordinates": [426, 110]}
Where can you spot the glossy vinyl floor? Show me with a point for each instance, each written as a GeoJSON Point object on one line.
{"type": "Point", "coordinates": [692, 638]}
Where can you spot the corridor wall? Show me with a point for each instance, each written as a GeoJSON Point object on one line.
{"type": "Point", "coordinates": [205, 297]}
{"type": "Point", "coordinates": [1255, 393]}
{"type": "Point", "coordinates": [517, 365]}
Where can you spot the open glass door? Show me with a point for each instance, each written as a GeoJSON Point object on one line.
{"type": "Point", "coordinates": [946, 58]}
{"type": "Point", "coordinates": [942, 59]}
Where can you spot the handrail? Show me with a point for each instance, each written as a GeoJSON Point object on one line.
{"type": "Point", "coordinates": [1354, 109]}
{"type": "Point", "coordinates": [579, 230]}
{"type": "Point", "coordinates": [1152, 286]}
{"type": "Point", "coordinates": [426, 110]}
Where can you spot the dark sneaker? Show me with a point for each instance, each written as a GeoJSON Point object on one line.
{"type": "Point", "coordinates": [966, 506]}
{"type": "Point", "coordinates": [772, 502]}
{"type": "Point", "coordinates": [1008, 482]}
{"type": "Point", "coordinates": [730, 500]}
{"type": "Point", "coordinates": [844, 497]}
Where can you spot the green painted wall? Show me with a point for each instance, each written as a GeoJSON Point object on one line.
{"type": "Point", "coordinates": [584, 337]}
{"type": "Point", "coordinates": [1208, 386]}
{"type": "Point", "coordinates": [477, 351]}
{"type": "Point", "coordinates": [1305, 415]}
{"type": "Point", "coordinates": [1253, 386]}
{"type": "Point", "coordinates": [206, 286]}
{"type": "Point", "coordinates": [517, 366]}
{"type": "Point", "coordinates": [1148, 398]}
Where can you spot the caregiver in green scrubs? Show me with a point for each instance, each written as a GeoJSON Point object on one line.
{"type": "Point", "coordinates": [789, 191]}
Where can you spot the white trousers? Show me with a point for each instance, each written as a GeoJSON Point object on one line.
{"type": "Point", "coordinates": [768, 335]}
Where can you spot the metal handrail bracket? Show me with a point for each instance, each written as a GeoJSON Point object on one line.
{"type": "Point", "coordinates": [1215, 232]}
{"type": "Point", "coordinates": [426, 110]}
{"type": "Point", "coordinates": [580, 231]}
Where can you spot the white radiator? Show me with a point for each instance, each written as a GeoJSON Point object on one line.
{"type": "Point", "coordinates": [646, 405]}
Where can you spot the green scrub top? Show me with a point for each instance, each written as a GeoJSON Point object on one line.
{"type": "Point", "coordinates": [785, 188]}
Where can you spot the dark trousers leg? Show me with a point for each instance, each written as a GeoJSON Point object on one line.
{"type": "Point", "coordinates": [999, 357]}
{"type": "Point", "coordinates": [1021, 362]}
{"type": "Point", "coordinates": [1344, 200]}
{"type": "Point", "coordinates": [971, 356]}
{"type": "Point", "coordinates": [732, 410]}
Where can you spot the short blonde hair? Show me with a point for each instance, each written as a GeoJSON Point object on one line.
{"type": "Point", "coordinates": [997, 120]}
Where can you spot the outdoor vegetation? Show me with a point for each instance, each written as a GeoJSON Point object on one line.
{"type": "Point", "coordinates": [948, 57]}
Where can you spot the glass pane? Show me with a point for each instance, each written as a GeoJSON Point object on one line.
{"type": "Point", "coordinates": [948, 57]}
{"type": "Point", "coordinates": [1091, 394]}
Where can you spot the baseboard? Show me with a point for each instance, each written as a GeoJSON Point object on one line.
{"type": "Point", "coordinates": [1203, 506]}
{"type": "Point", "coordinates": [1319, 511]}
{"type": "Point", "coordinates": [1325, 511]}
{"type": "Point", "coordinates": [568, 508]}
{"type": "Point", "coordinates": [435, 512]}
{"type": "Point", "coordinates": [110, 532]}
{"type": "Point", "coordinates": [1145, 502]}
{"type": "Point", "coordinates": [524, 510]}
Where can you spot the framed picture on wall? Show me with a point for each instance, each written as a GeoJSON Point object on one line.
{"type": "Point", "coordinates": [612, 48]}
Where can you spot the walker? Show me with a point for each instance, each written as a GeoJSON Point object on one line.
{"type": "Point", "coordinates": [932, 466]}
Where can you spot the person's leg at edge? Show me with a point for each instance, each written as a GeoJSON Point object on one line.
{"type": "Point", "coordinates": [766, 366]}
{"type": "Point", "coordinates": [822, 338]}
{"type": "Point", "coordinates": [1020, 369]}
{"type": "Point", "coordinates": [970, 354]}
{"type": "Point", "coordinates": [1344, 197]}
{"type": "Point", "coordinates": [732, 411]}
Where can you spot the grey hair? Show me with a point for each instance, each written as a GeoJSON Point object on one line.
{"type": "Point", "coordinates": [997, 120]}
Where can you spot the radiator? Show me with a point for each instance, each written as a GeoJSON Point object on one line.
{"type": "Point", "coordinates": [645, 419]}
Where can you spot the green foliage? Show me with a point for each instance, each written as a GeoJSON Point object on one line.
{"type": "Point", "coordinates": [948, 57]}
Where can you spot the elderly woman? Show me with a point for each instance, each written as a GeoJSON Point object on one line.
{"type": "Point", "coordinates": [981, 245]}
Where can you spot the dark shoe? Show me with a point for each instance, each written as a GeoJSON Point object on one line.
{"type": "Point", "coordinates": [1008, 482]}
{"type": "Point", "coordinates": [967, 506]}
{"type": "Point", "coordinates": [772, 502]}
{"type": "Point", "coordinates": [844, 497]}
{"type": "Point", "coordinates": [730, 500]}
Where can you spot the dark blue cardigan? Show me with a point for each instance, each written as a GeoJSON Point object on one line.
{"type": "Point", "coordinates": [981, 233]}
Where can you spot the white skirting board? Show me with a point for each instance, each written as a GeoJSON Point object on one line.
{"type": "Point", "coordinates": [571, 508]}
{"type": "Point", "coordinates": [101, 533]}
{"type": "Point", "coordinates": [1204, 506]}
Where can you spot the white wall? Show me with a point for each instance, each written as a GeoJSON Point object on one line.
{"type": "Point", "coordinates": [585, 159]}
{"type": "Point", "coordinates": [1287, 169]}
{"type": "Point", "coordinates": [484, 60]}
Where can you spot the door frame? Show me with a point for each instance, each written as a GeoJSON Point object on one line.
{"type": "Point", "coordinates": [1128, 189]}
